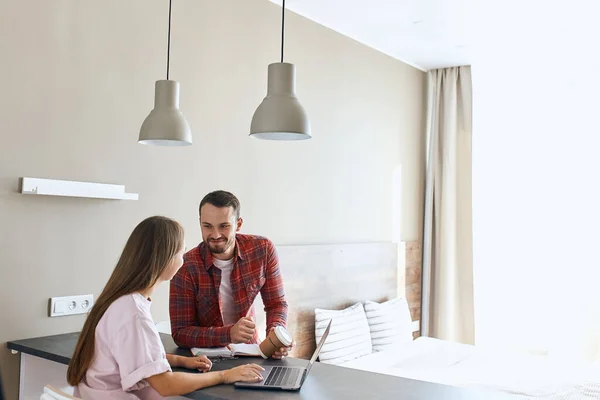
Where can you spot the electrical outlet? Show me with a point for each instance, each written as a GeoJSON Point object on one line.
{"type": "Point", "coordinates": [70, 305]}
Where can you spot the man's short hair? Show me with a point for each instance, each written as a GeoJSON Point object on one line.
{"type": "Point", "coordinates": [221, 199]}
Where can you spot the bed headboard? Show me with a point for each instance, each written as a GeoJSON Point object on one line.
{"type": "Point", "coordinates": [334, 277]}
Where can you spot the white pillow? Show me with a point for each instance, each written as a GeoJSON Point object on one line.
{"type": "Point", "coordinates": [349, 336]}
{"type": "Point", "coordinates": [390, 323]}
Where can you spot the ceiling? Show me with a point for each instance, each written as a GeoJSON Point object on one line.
{"type": "Point", "coordinates": [424, 33]}
{"type": "Point", "coordinates": [430, 34]}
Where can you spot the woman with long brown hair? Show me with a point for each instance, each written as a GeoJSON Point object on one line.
{"type": "Point", "coordinates": [119, 354]}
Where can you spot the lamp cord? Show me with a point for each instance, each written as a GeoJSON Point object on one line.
{"type": "Point", "coordinates": [169, 41]}
{"type": "Point", "coordinates": [282, 27]}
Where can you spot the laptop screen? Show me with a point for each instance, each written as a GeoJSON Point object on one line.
{"type": "Point", "coordinates": [318, 349]}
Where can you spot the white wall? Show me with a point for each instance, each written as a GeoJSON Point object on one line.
{"type": "Point", "coordinates": [535, 192]}
{"type": "Point", "coordinates": [77, 82]}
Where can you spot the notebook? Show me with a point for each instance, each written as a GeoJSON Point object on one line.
{"type": "Point", "coordinates": [233, 350]}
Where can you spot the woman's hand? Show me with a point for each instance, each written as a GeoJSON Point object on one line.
{"type": "Point", "coordinates": [243, 373]}
{"type": "Point", "coordinates": [201, 363]}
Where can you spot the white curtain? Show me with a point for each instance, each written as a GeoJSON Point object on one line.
{"type": "Point", "coordinates": [447, 294]}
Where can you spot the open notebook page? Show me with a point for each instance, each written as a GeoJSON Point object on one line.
{"type": "Point", "coordinates": [244, 349]}
{"type": "Point", "coordinates": [211, 351]}
{"type": "Point", "coordinates": [234, 349]}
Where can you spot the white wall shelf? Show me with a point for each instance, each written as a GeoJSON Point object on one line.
{"type": "Point", "coordinates": [53, 187]}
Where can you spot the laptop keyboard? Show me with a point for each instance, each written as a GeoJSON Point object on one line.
{"type": "Point", "coordinates": [282, 376]}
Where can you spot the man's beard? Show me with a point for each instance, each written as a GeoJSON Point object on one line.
{"type": "Point", "coordinates": [220, 247]}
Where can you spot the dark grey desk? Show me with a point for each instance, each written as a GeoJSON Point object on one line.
{"type": "Point", "coordinates": [324, 382]}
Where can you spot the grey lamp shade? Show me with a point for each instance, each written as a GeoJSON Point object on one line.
{"type": "Point", "coordinates": [280, 116]}
{"type": "Point", "coordinates": [166, 125]}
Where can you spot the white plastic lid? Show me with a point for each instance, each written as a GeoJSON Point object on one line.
{"type": "Point", "coordinates": [283, 335]}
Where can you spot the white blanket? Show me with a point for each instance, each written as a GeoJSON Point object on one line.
{"type": "Point", "coordinates": [456, 364]}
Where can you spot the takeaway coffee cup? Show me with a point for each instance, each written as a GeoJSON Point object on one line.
{"type": "Point", "coordinates": [277, 338]}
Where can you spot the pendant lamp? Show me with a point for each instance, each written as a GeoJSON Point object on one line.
{"type": "Point", "coordinates": [280, 116]}
{"type": "Point", "coordinates": [166, 125]}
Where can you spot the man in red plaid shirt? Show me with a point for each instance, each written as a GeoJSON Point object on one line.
{"type": "Point", "coordinates": [211, 296]}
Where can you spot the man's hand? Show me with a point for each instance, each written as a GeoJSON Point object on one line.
{"type": "Point", "coordinates": [282, 352]}
{"type": "Point", "coordinates": [243, 330]}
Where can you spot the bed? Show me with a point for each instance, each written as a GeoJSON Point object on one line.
{"type": "Point", "coordinates": [455, 364]}
{"type": "Point", "coordinates": [322, 280]}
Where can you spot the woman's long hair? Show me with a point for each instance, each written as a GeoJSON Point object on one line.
{"type": "Point", "coordinates": [148, 251]}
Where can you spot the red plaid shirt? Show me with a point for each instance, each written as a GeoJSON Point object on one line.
{"type": "Point", "coordinates": [194, 301]}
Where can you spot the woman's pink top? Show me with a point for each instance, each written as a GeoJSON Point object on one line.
{"type": "Point", "coordinates": [128, 350]}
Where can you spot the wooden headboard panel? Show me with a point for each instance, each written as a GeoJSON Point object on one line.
{"type": "Point", "coordinates": [336, 276]}
{"type": "Point", "coordinates": [413, 260]}
{"type": "Point", "coordinates": [331, 276]}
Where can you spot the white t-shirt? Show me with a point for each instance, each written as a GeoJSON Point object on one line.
{"type": "Point", "coordinates": [228, 310]}
{"type": "Point", "coordinates": [128, 350]}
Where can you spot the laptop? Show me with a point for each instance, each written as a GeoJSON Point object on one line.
{"type": "Point", "coordinates": [285, 377]}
